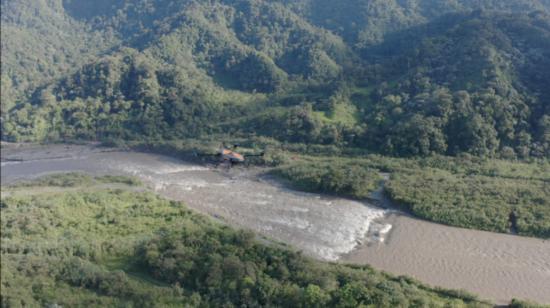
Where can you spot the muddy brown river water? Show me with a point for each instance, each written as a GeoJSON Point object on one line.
{"type": "Point", "coordinates": [495, 266]}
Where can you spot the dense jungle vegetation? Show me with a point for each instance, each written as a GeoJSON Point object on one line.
{"type": "Point", "coordinates": [67, 240]}
{"type": "Point", "coordinates": [331, 177]}
{"type": "Point", "coordinates": [469, 192]}
{"type": "Point", "coordinates": [405, 78]}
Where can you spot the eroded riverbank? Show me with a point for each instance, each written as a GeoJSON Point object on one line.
{"type": "Point", "coordinates": [496, 266]}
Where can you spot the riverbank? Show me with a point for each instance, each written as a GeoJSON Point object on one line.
{"type": "Point", "coordinates": [496, 266]}
{"type": "Point", "coordinates": [73, 241]}
{"type": "Point", "coordinates": [325, 227]}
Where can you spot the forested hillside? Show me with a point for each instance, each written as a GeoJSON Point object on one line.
{"type": "Point", "coordinates": [404, 78]}
{"type": "Point", "coordinates": [41, 42]}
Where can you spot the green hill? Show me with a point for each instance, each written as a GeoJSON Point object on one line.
{"type": "Point", "coordinates": [403, 78]}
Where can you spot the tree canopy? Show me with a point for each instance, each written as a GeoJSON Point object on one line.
{"type": "Point", "coordinates": [406, 78]}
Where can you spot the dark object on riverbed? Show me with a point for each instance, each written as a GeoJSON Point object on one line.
{"type": "Point", "coordinates": [513, 218]}
{"type": "Point", "coordinates": [12, 160]}
{"type": "Point", "coordinates": [229, 157]}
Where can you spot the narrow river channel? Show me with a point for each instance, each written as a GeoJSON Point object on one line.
{"type": "Point", "coordinates": [495, 266]}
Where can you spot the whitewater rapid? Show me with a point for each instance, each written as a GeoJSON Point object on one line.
{"type": "Point", "coordinates": [321, 226]}
{"type": "Point", "coordinates": [495, 266]}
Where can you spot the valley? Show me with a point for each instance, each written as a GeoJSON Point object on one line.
{"type": "Point", "coordinates": [324, 227]}
{"type": "Point", "coordinates": [389, 153]}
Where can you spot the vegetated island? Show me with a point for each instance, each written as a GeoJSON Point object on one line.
{"type": "Point", "coordinates": [491, 195]}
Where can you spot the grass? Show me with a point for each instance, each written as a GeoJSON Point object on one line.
{"type": "Point", "coordinates": [74, 179]}
{"type": "Point", "coordinates": [344, 114]}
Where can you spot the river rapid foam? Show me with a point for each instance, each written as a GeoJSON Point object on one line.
{"type": "Point", "coordinates": [495, 266]}
{"type": "Point", "coordinates": [321, 226]}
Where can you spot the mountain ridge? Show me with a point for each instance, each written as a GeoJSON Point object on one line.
{"type": "Point", "coordinates": [223, 61]}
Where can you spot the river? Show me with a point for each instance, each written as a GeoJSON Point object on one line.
{"type": "Point", "coordinates": [495, 266]}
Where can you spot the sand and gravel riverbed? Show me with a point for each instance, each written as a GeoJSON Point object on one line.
{"type": "Point", "coordinates": [495, 266]}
